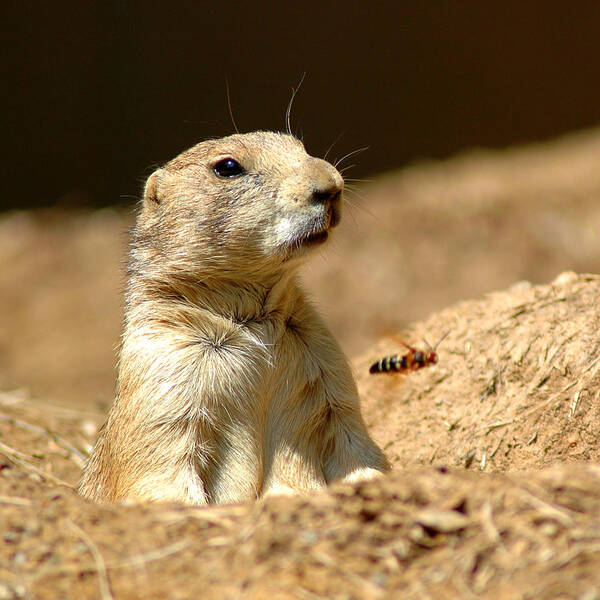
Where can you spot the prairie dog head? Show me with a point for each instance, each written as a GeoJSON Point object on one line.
{"type": "Point", "coordinates": [239, 205]}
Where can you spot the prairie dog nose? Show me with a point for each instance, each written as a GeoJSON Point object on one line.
{"type": "Point", "coordinates": [328, 183]}
{"type": "Point", "coordinates": [325, 194]}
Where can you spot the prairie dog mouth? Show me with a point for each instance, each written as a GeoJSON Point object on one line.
{"type": "Point", "coordinates": [315, 238]}
{"type": "Point", "coordinates": [321, 234]}
{"type": "Point", "coordinates": [305, 233]}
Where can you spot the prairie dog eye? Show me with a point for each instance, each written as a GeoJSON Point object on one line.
{"type": "Point", "coordinates": [228, 168]}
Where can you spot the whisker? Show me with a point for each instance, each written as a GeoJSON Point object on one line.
{"type": "Point", "coordinates": [350, 203]}
{"type": "Point", "coordinates": [352, 186]}
{"type": "Point", "coordinates": [352, 206]}
{"type": "Point", "coordinates": [346, 168]}
{"type": "Point", "coordinates": [363, 208]}
{"type": "Point", "coordinates": [337, 139]}
{"type": "Point", "coordinates": [348, 189]}
{"type": "Point", "coordinates": [288, 111]}
{"type": "Point", "coordinates": [229, 105]}
{"type": "Point", "coordinates": [357, 151]}
{"type": "Point", "coordinates": [358, 180]}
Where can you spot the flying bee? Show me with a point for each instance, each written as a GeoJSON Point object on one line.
{"type": "Point", "coordinates": [413, 360]}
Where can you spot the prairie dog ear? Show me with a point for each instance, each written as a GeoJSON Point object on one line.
{"type": "Point", "coordinates": [151, 199]}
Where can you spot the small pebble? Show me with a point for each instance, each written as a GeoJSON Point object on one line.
{"type": "Point", "coordinates": [19, 559]}
{"type": "Point", "coordinates": [10, 537]}
{"type": "Point", "coordinates": [565, 278]}
{"type": "Point", "coordinates": [89, 428]}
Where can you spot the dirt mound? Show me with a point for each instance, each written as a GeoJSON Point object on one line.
{"type": "Point", "coordinates": [416, 534]}
{"type": "Point", "coordinates": [516, 386]}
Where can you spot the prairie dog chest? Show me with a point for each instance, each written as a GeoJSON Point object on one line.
{"type": "Point", "coordinates": [296, 357]}
{"type": "Point", "coordinates": [281, 349]}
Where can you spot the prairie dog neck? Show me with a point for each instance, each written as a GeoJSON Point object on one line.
{"type": "Point", "coordinates": [236, 300]}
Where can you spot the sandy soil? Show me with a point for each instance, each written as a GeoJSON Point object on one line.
{"type": "Point", "coordinates": [496, 485]}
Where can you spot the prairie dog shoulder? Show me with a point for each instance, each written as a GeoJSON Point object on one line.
{"type": "Point", "coordinates": [230, 386]}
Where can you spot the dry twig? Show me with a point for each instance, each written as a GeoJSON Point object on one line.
{"type": "Point", "coordinates": [131, 561]}
{"type": "Point", "coordinates": [103, 582]}
{"type": "Point", "coordinates": [16, 500]}
{"type": "Point", "coordinates": [16, 457]}
{"type": "Point", "coordinates": [75, 454]}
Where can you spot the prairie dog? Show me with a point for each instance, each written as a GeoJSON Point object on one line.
{"type": "Point", "coordinates": [230, 386]}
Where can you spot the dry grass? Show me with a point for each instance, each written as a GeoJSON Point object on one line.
{"type": "Point", "coordinates": [517, 385]}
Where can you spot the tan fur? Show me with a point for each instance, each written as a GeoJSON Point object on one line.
{"type": "Point", "coordinates": [230, 386]}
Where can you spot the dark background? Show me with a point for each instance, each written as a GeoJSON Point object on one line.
{"type": "Point", "coordinates": [96, 94]}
